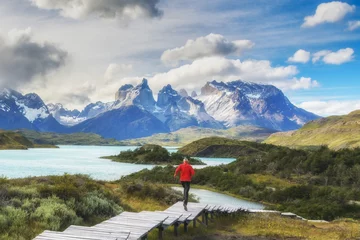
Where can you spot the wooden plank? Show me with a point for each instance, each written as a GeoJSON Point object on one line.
{"type": "Point", "coordinates": [64, 236]}
{"type": "Point", "coordinates": [168, 222]}
{"type": "Point", "coordinates": [87, 231]}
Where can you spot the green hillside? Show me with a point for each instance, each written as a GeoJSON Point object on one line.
{"type": "Point", "coordinates": [13, 140]}
{"type": "Point", "coordinates": [336, 132]}
{"type": "Point", "coordinates": [221, 147]}
{"type": "Point", "coordinates": [16, 140]}
{"type": "Point", "coordinates": [187, 135]}
{"type": "Point", "coordinates": [69, 139]}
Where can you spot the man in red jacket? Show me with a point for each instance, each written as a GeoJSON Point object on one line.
{"type": "Point", "coordinates": [186, 173]}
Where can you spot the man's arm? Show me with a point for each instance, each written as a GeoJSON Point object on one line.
{"type": "Point", "coordinates": [192, 171]}
{"type": "Point", "coordinates": [177, 170]}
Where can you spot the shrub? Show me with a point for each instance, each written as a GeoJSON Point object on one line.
{"type": "Point", "coordinates": [54, 214]}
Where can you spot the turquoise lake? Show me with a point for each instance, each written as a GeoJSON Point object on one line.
{"type": "Point", "coordinates": [86, 160]}
{"type": "Point", "coordinates": [74, 159]}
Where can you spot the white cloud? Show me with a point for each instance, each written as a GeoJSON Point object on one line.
{"type": "Point", "coordinates": [296, 84]}
{"type": "Point", "coordinates": [328, 13]}
{"type": "Point", "coordinates": [112, 9]}
{"type": "Point", "coordinates": [352, 25]}
{"type": "Point", "coordinates": [193, 76]}
{"type": "Point", "coordinates": [117, 71]}
{"type": "Point", "coordinates": [327, 108]}
{"type": "Point", "coordinates": [208, 46]}
{"type": "Point", "coordinates": [336, 58]}
{"type": "Point", "coordinates": [318, 55]}
{"type": "Point", "coordinates": [301, 56]}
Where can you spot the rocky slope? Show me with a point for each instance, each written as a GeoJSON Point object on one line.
{"type": "Point", "coordinates": [26, 111]}
{"type": "Point", "coordinates": [241, 103]}
{"type": "Point", "coordinates": [122, 123]}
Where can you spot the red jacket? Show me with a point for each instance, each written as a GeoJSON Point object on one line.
{"type": "Point", "coordinates": [186, 172]}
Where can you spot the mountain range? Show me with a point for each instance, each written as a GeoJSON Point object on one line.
{"type": "Point", "coordinates": [135, 113]}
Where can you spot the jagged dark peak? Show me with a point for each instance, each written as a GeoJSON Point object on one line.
{"type": "Point", "coordinates": [126, 87]}
{"type": "Point", "coordinates": [213, 87]}
{"type": "Point", "coordinates": [123, 91]}
{"type": "Point", "coordinates": [168, 90]}
{"type": "Point", "coordinates": [255, 88]}
{"type": "Point", "coordinates": [183, 93]}
{"type": "Point", "coordinates": [8, 92]}
{"type": "Point", "coordinates": [222, 85]}
{"type": "Point", "coordinates": [167, 96]}
{"type": "Point", "coordinates": [32, 100]}
{"type": "Point", "coordinates": [143, 85]}
{"type": "Point", "coordinates": [33, 97]}
{"type": "Point", "coordinates": [193, 94]}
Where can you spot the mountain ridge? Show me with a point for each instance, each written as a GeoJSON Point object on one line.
{"type": "Point", "coordinates": [220, 105]}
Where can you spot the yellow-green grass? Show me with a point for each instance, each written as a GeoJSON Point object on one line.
{"type": "Point", "coordinates": [268, 226]}
{"type": "Point", "coordinates": [336, 132]}
{"type": "Point", "coordinates": [271, 181]}
{"type": "Point", "coordinates": [134, 203]}
{"type": "Point", "coordinates": [280, 227]}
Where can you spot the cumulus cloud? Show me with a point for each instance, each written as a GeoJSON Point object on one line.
{"type": "Point", "coordinates": [117, 71]}
{"type": "Point", "coordinates": [352, 25]}
{"type": "Point", "coordinates": [328, 13]}
{"type": "Point", "coordinates": [297, 83]}
{"type": "Point", "coordinates": [208, 46]}
{"type": "Point", "coordinates": [123, 10]}
{"type": "Point", "coordinates": [22, 59]}
{"type": "Point", "coordinates": [328, 108]}
{"type": "Point", "coordinates": [336, 58]}
{"type": "Point", "coordinates": [195, 75]}
{"type": "Point", "coordinates": [301, 56]}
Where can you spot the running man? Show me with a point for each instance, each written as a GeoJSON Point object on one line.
{"type": "Point", "coordinates": [186, 173]}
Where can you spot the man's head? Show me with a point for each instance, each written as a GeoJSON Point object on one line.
{"type": "Point", "coordinates": [186, 160]}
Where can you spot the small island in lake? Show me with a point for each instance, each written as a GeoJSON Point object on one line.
{"type": "Point", "coordinates": [152, 154]}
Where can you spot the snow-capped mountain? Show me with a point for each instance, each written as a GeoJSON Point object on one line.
{"type": "Point", "coordinates": [239, 103]}
{"type": "Point", "coordinates": [179, 110]}
{"type": "Point", "coordinates": [135, 113]}
{"type": "Point", "coordinates": [140, 95]}
{"type": "Point", "coordinates": [25, 111]}
{"type": "Point", "coordinates": [63, 115]}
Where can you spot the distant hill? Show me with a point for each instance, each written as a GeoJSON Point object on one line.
{"type": "Point", "coordinates": [15, 140]}
{"type": "Point", "coordinates": [221, 147]}
{"type": "Point", "coordinates": [187, 135]}
{"type": "Point", "coordinates": [336, 132]}
{"type": "Point", "coordinates": [69, 139]}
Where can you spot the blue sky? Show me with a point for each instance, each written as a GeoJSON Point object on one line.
{"type": "Point", "coordinates": [92, 50]}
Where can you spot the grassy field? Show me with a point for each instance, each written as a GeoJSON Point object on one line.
{"type": "Point", "coordinates": [336, 132]}
{"type": "Point", "coordinates": [268, 227]}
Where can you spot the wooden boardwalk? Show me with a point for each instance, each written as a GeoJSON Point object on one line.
{"type": "Point", "coordinates": [132, 226]}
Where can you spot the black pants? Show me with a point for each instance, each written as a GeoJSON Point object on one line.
{"type": "Point", "coordinates": [186, 186]}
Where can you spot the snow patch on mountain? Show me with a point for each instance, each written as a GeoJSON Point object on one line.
{"type": "Point", "coordinates": [33, 114]}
